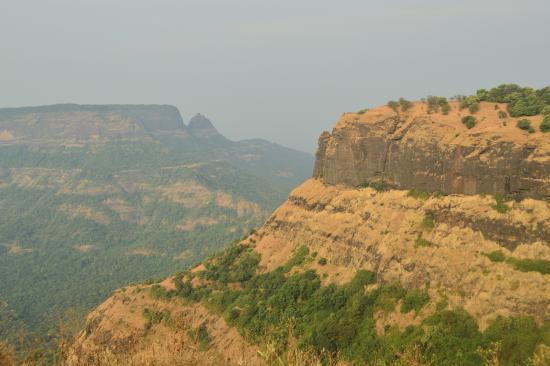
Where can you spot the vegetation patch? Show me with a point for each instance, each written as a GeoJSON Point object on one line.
{"type": "Point", "coordinates": [420, 242]}
{"type": "Point", "coordinates": [496, 256]}
{"type": "Point", "coordinates": [530, 265]}
{"type": "Point", "coordinates": [521, 101]}
{"type": "Point", "coordinates": [200, 336]}
{"type": "Point", "coordinates": [469, 121]}
{"type": "Point", "coordinates": [428, 222]}
{"type": "Point", "coordinates": [377, 185]}
{"type": "Point", "coordinates": [153, 317]}
{"type": "Point", "coordinates": [500, 204]}
{"type": "Point", "coordinates": [524, 265]}
{"type": "Point", "coordinates": [435, 104]}
{"type": "Point", "coordinates": [418, 194]}
{"type": "Point", "coordinates": [159, 293]}
{"type": "Point", "coordinates": [402, 104]}
{"type": "Point", "coordinates": [340, 320]}
{"type": "Point", "coordinates": [470, 102]}
{"type": "Point", "coordinates": [545, 124]}
{"type": "Point", "coordinates": [298, 258]}
{"type": "Point", "coordinates": [414, 300]}
{"type": "Point", "coordinates": [525, 124]}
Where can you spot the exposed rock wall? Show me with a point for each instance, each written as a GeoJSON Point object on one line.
{"type": "Point", "coordinates": [432, 152]}
{"type": "Point", "coordinates": [361, 228]}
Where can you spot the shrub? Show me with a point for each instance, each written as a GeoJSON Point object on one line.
{"type": "Point", "coordinates": [496, 256]}
{"type": "Point", "coordinates": [502, 115]}
{"type": "Point", "coordinates": [500, 204]}
{"type": "Point", "coordinates": [473, 108]}
{"type": "Point", "coordinates": [416, 193]}
{"type": "Point", "coordinates": [524, 124]}
{"type": "Point", "coordinates": [469, 121]}
{"type": "Point", "coordinates": [545, 125]}
{"type": "Point", "coordinates": [471, 102]}
{"type": "Point", "coordinates": [298, 258]}
{"type": "Point", "coordinates": [420, 242]}
{"type": "Point", "coordinates": [414, 300]}
{"type": "Point", "coordinates": [158, 292]}
{"type": "Point", "coordinates": [363, 111]}
{"type": "Point", "coordinates": [322, 261]}
{"type": "Point", "coordinates": [378, 185]}
{"type": "Point", "coordinates": [435, 103]}
{"type": "Point", "coordinates": [428, 222]}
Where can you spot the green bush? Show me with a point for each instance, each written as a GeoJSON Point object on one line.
{"type": "Point", "coordinates": [435, 103]}
{"type": "Point", "coordinates": [469, 121]}
{"type": "Point", "coordinates": [414, 300]}
{"type": "Point", "coordinates": [159, 292]}
{"type": "Point", "coordinates": [378, 185]}
{"type": "Point", "coordinates": [545, 124]}
{"type": "Point", "coordinates": [500, 204]}
{"type": "Point", "coordinates": [521, 101]}
{"type": "Point", "coordinates": [530, 265]}
{"type": "Point", "coordinates": [524, 124]}
{"type": "Point", "coordinates": [418, 194]}
{"type": "Point", "coordinates": [428, 222]}
{"type": "Point", "coordinates": [496, 256]}
{"type": "Point", "coordinates": [322, 261]}
{"type": "Point", "coordinates": [470, 102]}
{"type": "Point", "coordinates": [502, 115]}
{"type": "Point", "coordinates": [363, 111]}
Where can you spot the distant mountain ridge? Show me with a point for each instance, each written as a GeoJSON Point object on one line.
{"type": "Point", "coordinates": [96, 196]}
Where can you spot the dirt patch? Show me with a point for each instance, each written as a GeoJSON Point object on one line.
{"type": "Point", "coordinates": [191, 224]}
{"type": "Point", "coordinates": [85, 248]}
{"type": "Point", "coordinates": [87, 212]}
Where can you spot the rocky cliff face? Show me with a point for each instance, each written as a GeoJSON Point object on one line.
{"type": "Point", "coordinates": [72, 122]}
{"type": "Point", "coordinates": [437, 153]}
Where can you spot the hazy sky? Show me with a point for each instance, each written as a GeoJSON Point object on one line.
{"type": "Point", "coordinates": [283, 70]}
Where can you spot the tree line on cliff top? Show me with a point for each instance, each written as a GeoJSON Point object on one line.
{"type": "Point", "coordinates": [521, 102]}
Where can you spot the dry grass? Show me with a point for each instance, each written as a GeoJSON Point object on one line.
{"type": "Point", "coordinates": [7, 355]}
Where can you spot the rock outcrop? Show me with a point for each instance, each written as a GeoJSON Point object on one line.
{"type": "Point", "coordinates": [437, 153]}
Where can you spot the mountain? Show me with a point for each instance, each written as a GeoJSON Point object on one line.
{"type": "Point", "coordinates": [97, 196]}
{"type": "Point", "coordinates": [421, 239]}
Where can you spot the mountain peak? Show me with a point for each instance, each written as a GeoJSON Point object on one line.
{"type": "Point", "coordinates": [200, 122]}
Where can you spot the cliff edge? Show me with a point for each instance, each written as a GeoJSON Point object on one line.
{"type": "Point", "coordinates": [434, 152]}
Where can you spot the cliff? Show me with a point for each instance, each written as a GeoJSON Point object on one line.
{"type": "Point", "coordinates": [437, 153]}
{"type": "Point", "coordinates": [73, 122]}
{"type": "Point", "coordinates": [371, 262]}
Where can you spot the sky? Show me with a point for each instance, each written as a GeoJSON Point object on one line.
{"type": "Point", "coordinates": [283, 70]}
